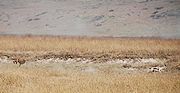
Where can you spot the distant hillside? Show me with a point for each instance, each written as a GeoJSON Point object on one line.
{"type": "Point", "coordinates": [118, 18]}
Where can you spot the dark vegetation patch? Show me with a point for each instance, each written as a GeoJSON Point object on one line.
{"type": "Point", "coordinates": [34, 19]}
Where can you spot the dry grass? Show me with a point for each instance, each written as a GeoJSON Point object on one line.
{"type": "Point", "coordinates": [92, 47]}
{"type": "Point", "coordinates": [40, 80]}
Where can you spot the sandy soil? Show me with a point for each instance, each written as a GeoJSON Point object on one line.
{"type": "Point", "coordinates": [125, 18]}
{"type": "Point", "coordinates": [123, 66]}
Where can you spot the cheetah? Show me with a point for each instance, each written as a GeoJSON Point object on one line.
{"type": "Point", "coordinates": [20, 61]}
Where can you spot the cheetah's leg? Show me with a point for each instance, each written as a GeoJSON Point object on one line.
{"type": "Point", "coordinates": [19, 64]}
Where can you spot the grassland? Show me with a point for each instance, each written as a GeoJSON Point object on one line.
{"type": "Point", "coordinates": [45, 79]}
{"type": "Point", "coordinates": [91, 47]}
{"type": "Point", "coordinates": [41, 80]}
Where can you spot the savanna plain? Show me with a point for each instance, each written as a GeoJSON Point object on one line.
{"type": "Point", "coordinates": [64, 64]}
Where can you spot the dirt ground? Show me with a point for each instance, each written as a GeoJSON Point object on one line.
{"type": "Point", "coordinates": [85, 65]}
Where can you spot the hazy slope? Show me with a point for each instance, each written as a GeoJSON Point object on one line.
{"type": "Point", "coordinates": [91, 17]}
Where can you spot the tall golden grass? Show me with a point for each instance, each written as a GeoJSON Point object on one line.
{"type": "Point", "coordinates": [41, 80]}
{"type": "Point", "coordinates": [81, 46]}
